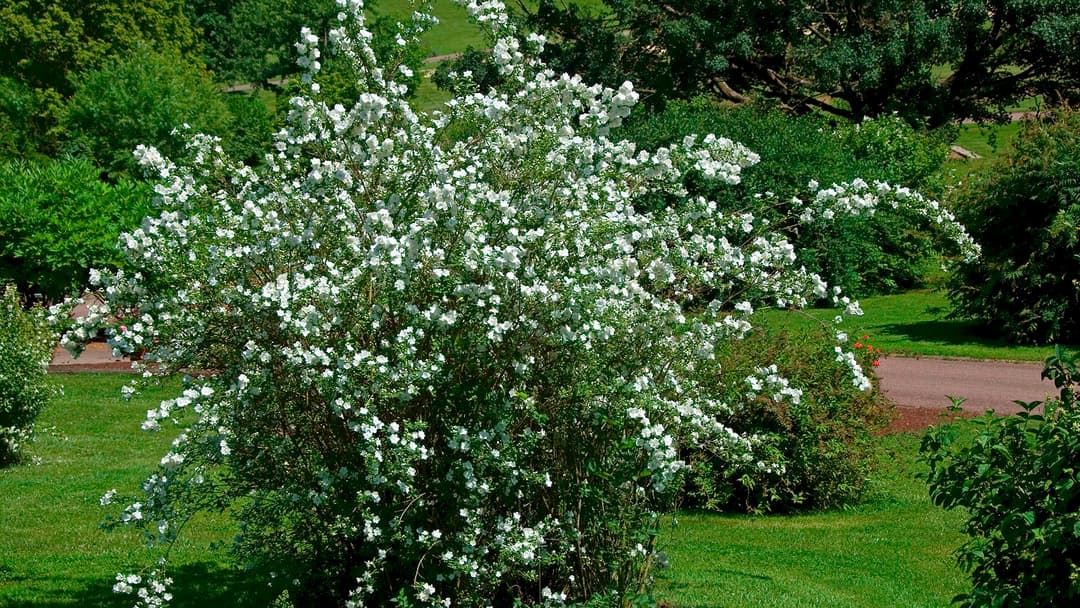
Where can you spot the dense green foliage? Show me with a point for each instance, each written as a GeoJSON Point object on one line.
{"type": "Point", "coordinates": [58, 220]}
{"type": "Point", "coordinates": [1017, 478]}
{"type": "Point", "coordinates": [25, 349]}
{"type": "Point", "coordinates": [252, 40]}
{"type": "Point", "coordinates": [140, 98]}
{"type": "Point", "coordinates": [929, 59]}
{"type": "Point", "coordinates": [819, 449]}
{"type": "Point", "coordinates": [1025, 211]}
{"type": "Point", "coordinates": [44, 43]}
{"type": "Point", "coordinates": [882, 253]}
{"type": "Point", "coordinates": [472, 66]}
{"type": "Point", "coordinates": [24, 121]}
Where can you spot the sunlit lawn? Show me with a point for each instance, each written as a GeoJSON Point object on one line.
{"type": "Point", "coordinates": [890, 551]}
{"type": "Point", "coordinates": [893, 550]}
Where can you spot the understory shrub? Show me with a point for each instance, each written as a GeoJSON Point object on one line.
{"type": "Point", "coordinates": [440, 370]}
{"type": "Point", "coordinates": [817, 448]}
{"type": "Point", "coordinates": [883, 252]}
{"type": "Point", "coordinates": [1026, 211]}
{"type": "Point", "coordinates": [1016, 477]}
{"type": "Point", "coordinates": [26, 346]}
{"type": "Point", "coordinates": [143, 97]}
{"type": "Point", "coordinates": [58, 220]}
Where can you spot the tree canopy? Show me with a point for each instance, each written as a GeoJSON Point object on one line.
{"type": "Point", "coordinates": [931, 60]}
{"type": "Point", "coordinates": [42, 42]}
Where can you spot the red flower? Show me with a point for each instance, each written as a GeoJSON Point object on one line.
{"type": "Point", "coordinates": [858, 345]}
{"type": "Point", "coordinates": [876, 363]}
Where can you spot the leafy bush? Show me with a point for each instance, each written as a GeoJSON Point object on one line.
{"type": "Point", "coordinates": [1016, 476]}
{"type": "Point", "coordinates": [817, 443]}
{"type": "Point", "coordinates": [58, 220]}
{"type": "Point", "coordinates": [26, 118]}
{"type": "Point", "coordinates": [473, 68]}
{"type": "Point", "coordinates": [444, 371]}
{"type": "Point", "coordinates": [140, 98]}
{"type": "Point", "coordinates": [26, 346]}
{"type": "Point", "coordinates": [881, 253]}
{"type": "Point", "coordinates": [1025, 210]}
{"type": "Point", "coordinates": [250, 126]}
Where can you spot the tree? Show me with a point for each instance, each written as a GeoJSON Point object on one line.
{"type": "Point", "coordinates": [140, 98]}
{"type": "Point", "coordinates": [43, 42]}
{"type": "Point", "coordinates": [1025, 211]}
{"type": "Point", "coordinates": [253, 40]}
{"type": "Point", "coordinates": [931, 60]}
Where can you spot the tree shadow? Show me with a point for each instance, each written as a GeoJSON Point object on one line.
{"type": "Point", "coordinates": [945, 331]}
{"type": "Point", "coordinates": [194, 586]}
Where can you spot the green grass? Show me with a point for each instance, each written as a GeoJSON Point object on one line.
{"type": "Point", "coordinates": [890, 551]}
{"type": "Point", "coordinates": [988, 141]}
{"type": "Point", "coordinates": [52, 552]}
{"type": "Point", "coordinates": [912, 323]}
{"type": "Point", "coordinates": [893, 550]}
{"type": "Point", "coordinates": [452, 34]}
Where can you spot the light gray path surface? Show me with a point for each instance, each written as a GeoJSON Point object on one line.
{"type": "Point", "coordinates": [926, 382]}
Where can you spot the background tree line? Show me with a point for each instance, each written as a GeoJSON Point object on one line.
{"type": "Point", "coordinates": [81, 84]}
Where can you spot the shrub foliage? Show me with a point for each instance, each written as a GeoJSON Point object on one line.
{"type": "Point", "coordinates": [58, 220]}
{"type": "Point", "coordinates": [1026, 212]}
{"type": "Point", "coordinates": [1017, 478]}
{"type": "Point", "coordinates": [880, 253]}
{"type": "Point", "coordinates": [26, 346]}
{"type": "Point", "coordinates": [446, 370]}
{"type": "Point", "coordinates": [140, 98]}
{"type": "Point", "coordinates": [813, 447]}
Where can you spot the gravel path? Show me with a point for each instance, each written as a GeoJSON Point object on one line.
{"type": "Point", "coordinates": [927, 382]}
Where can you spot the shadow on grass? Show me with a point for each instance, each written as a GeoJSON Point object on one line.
{"type": "Point", "coordinates": [194, 586]}
{"type": "Point", "coordinates": [944, 331]}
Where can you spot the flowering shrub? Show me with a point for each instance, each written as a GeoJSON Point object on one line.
{"type": "Point", "coordinates": [814, 429]}
{"type": "Point", "coordinates": [880, 253]}
{"type": "Point", "coordinates": [25, 350]}
{"type": "Point", "coordinates": [443, 358]}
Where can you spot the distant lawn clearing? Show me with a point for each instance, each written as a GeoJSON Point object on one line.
{"type": "Point", "coordinates": [912, 324]}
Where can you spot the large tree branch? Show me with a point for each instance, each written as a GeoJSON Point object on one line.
{"type": "Point", "coordinates": [728, 92]}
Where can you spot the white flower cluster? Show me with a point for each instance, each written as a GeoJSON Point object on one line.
{"type": "Point", "coordinates": [450, 340]}
{"type": "Point", "coordinates": [857, 197]}
{"type": "Point", "coordinates": [151, 590]}
{"type": "Point", "coordinates": [769, 378]}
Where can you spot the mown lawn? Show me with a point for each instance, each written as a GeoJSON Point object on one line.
{"type": "Point", "coordinates": [914, 323]}
{"type": "Point", "coordinates": [891, 551]}
{"type": "Point", "coordinates": [52, 552]}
